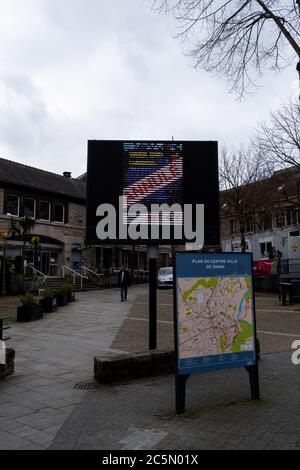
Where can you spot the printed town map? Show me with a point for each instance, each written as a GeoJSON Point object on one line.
{"type": "Point", "coordinates": [215, 316]}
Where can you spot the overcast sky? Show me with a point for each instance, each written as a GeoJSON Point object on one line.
{"type": "Point", "coordinates": [74, 70]}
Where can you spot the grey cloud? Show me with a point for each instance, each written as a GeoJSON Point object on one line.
{"type": "Point", "coordinates": [88, 69]}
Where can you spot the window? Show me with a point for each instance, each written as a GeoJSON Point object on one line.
{"type": "Point", "coordinates": [44, 210]}
{"type": "Point", "coordinates": [267, 221]}
{"type": "Point", "coordinates": [12, 205]}
{"type": "Point", "coordinates": [233, 226]}
{"type": "Point", "coordinates": [250, 224]}
{"type": "Point", "coordinates": [280, 219]}
{"type": "Point", "coordinates": [291, 216]}
{"type": "Point", "coordinates": [125, 258]}
{"type": "Point", "coordinates": [29, 207]}
{"type": "Point", "coordinates": [265, 249]}
{"type": "Point", "coordinates": [58, 213]}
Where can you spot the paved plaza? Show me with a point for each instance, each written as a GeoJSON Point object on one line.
{"type": "Point", "coordinates": [42, 406]}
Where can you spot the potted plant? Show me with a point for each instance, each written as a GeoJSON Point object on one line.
{"type": "Point", "coordinates": [68, 289]}
{"type": "Point", "coordinates": [30, 310]}
{"type": "Point", "coordinates": [62, 296]}
{"type": "Point", "coordinates": [48, 301]}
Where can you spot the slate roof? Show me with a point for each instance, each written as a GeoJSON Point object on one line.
{"type": "Point", "coordinates": [26, 176]}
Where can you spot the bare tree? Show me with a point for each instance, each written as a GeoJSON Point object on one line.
{"type": "Point", "coordinates": [239, 39]}
{"type": "Point", "coordinates": [247, 192]}
{"type": "Point", "coordinates": [279, 140]}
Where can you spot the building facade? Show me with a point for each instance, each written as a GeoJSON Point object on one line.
{"type": "Point", "coordinates": [274, 223]}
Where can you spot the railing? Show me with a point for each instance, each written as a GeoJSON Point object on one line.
{"type": "Point", "coordinates": [75, 273]}
{"type": "Point", "coordinates": [290, 267]}
{"type": "Point", "coordinates": [39, 273]}
{"type": "Point", "coordinates": [84, 269]}
{"type": "Point", "coordinates": [3, 328]}
{"type": "Point", "coordinates": [97, 278]}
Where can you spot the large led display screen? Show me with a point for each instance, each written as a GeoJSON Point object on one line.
{"type": "Point", "coordinates": [152, 192]}
{"type": "Point", "coordinates": [152, 174]}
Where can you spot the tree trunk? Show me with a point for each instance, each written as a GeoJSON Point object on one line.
{"type": "Point", "coordinates": [243, 240]}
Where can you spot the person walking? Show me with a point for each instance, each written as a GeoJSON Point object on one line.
{"type": "Point", "coordinates": [123, 283]}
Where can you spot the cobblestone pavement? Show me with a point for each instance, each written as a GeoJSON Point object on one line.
{"type": "Point", "coordinates": [219, 413]}
{"type": "Point", "coordinates": [39, 407]}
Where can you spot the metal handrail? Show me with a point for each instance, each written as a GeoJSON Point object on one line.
{"type": "Point", "coordinates": [75, 273]}
{"type": "Point", "coordinates": [37, 271]}
{"type": "Point", "coordinates": [90, 271]}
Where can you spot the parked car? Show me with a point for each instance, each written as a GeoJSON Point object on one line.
{"type": "Point", "coordinates": [165, 277]}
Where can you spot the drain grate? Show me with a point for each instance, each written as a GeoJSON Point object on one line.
{"type": "Point", "coordinates": [86, 386]}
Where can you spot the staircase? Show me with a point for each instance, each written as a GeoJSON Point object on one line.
{"type": "Point", "coordinates": [56, 282]}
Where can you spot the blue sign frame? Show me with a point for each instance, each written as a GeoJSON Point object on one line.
{"type": "Point", "coordinates": [213, 266]}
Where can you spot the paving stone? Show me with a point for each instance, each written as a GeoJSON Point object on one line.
{"type": "Point", "coordinates": [10, 442]}
{"type": "Point", "coordinates": [40, 438]}
{"type": "Point", "coordinates": [13, 410]}
{"type": "Point", "coordinates": [42, 420]}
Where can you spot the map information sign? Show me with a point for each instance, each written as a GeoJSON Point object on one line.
{"type": "Point", "coordinates": [214, 311]}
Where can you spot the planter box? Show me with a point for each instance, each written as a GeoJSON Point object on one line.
{"type": "Point", "coordinates": [48, 305]}
{"type": "Point", "coordinates": [29, 313]}
{"type": "Point", "coordinates": [71, 297]}
{"type": "Point", "coordinates": [62, 300]}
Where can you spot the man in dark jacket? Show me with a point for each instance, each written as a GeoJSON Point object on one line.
{"type": "Point", "coordinates": [124, 283]}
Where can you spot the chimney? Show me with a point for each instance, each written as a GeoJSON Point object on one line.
{"type": "Point", "coordinates": [67, 174]}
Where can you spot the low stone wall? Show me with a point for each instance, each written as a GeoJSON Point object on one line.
{"type": "Point", "coordinates": [116, 368]}
{"type": "Point", "coordinates": [8, 368]}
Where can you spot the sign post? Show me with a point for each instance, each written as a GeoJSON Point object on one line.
{"type": "Point", "coordinates": [152, 259]}
{"type": "Point", "coordinates": [214, 317]}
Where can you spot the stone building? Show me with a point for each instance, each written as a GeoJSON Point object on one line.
{"type": "Point", "coordinates": [57, 203]}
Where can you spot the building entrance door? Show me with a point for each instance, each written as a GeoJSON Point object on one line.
{"type": "Point", "coordinates": [76, 257]}
{"type": "Point", "coordinates": [45, 262]}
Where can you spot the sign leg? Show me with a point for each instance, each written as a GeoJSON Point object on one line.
{"type": "Point", "coordinates": [152, 257]}
{"type": "Point", "coordinates": [180, 381]}
{"type": "Point", "coordinates": [254, 381]}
